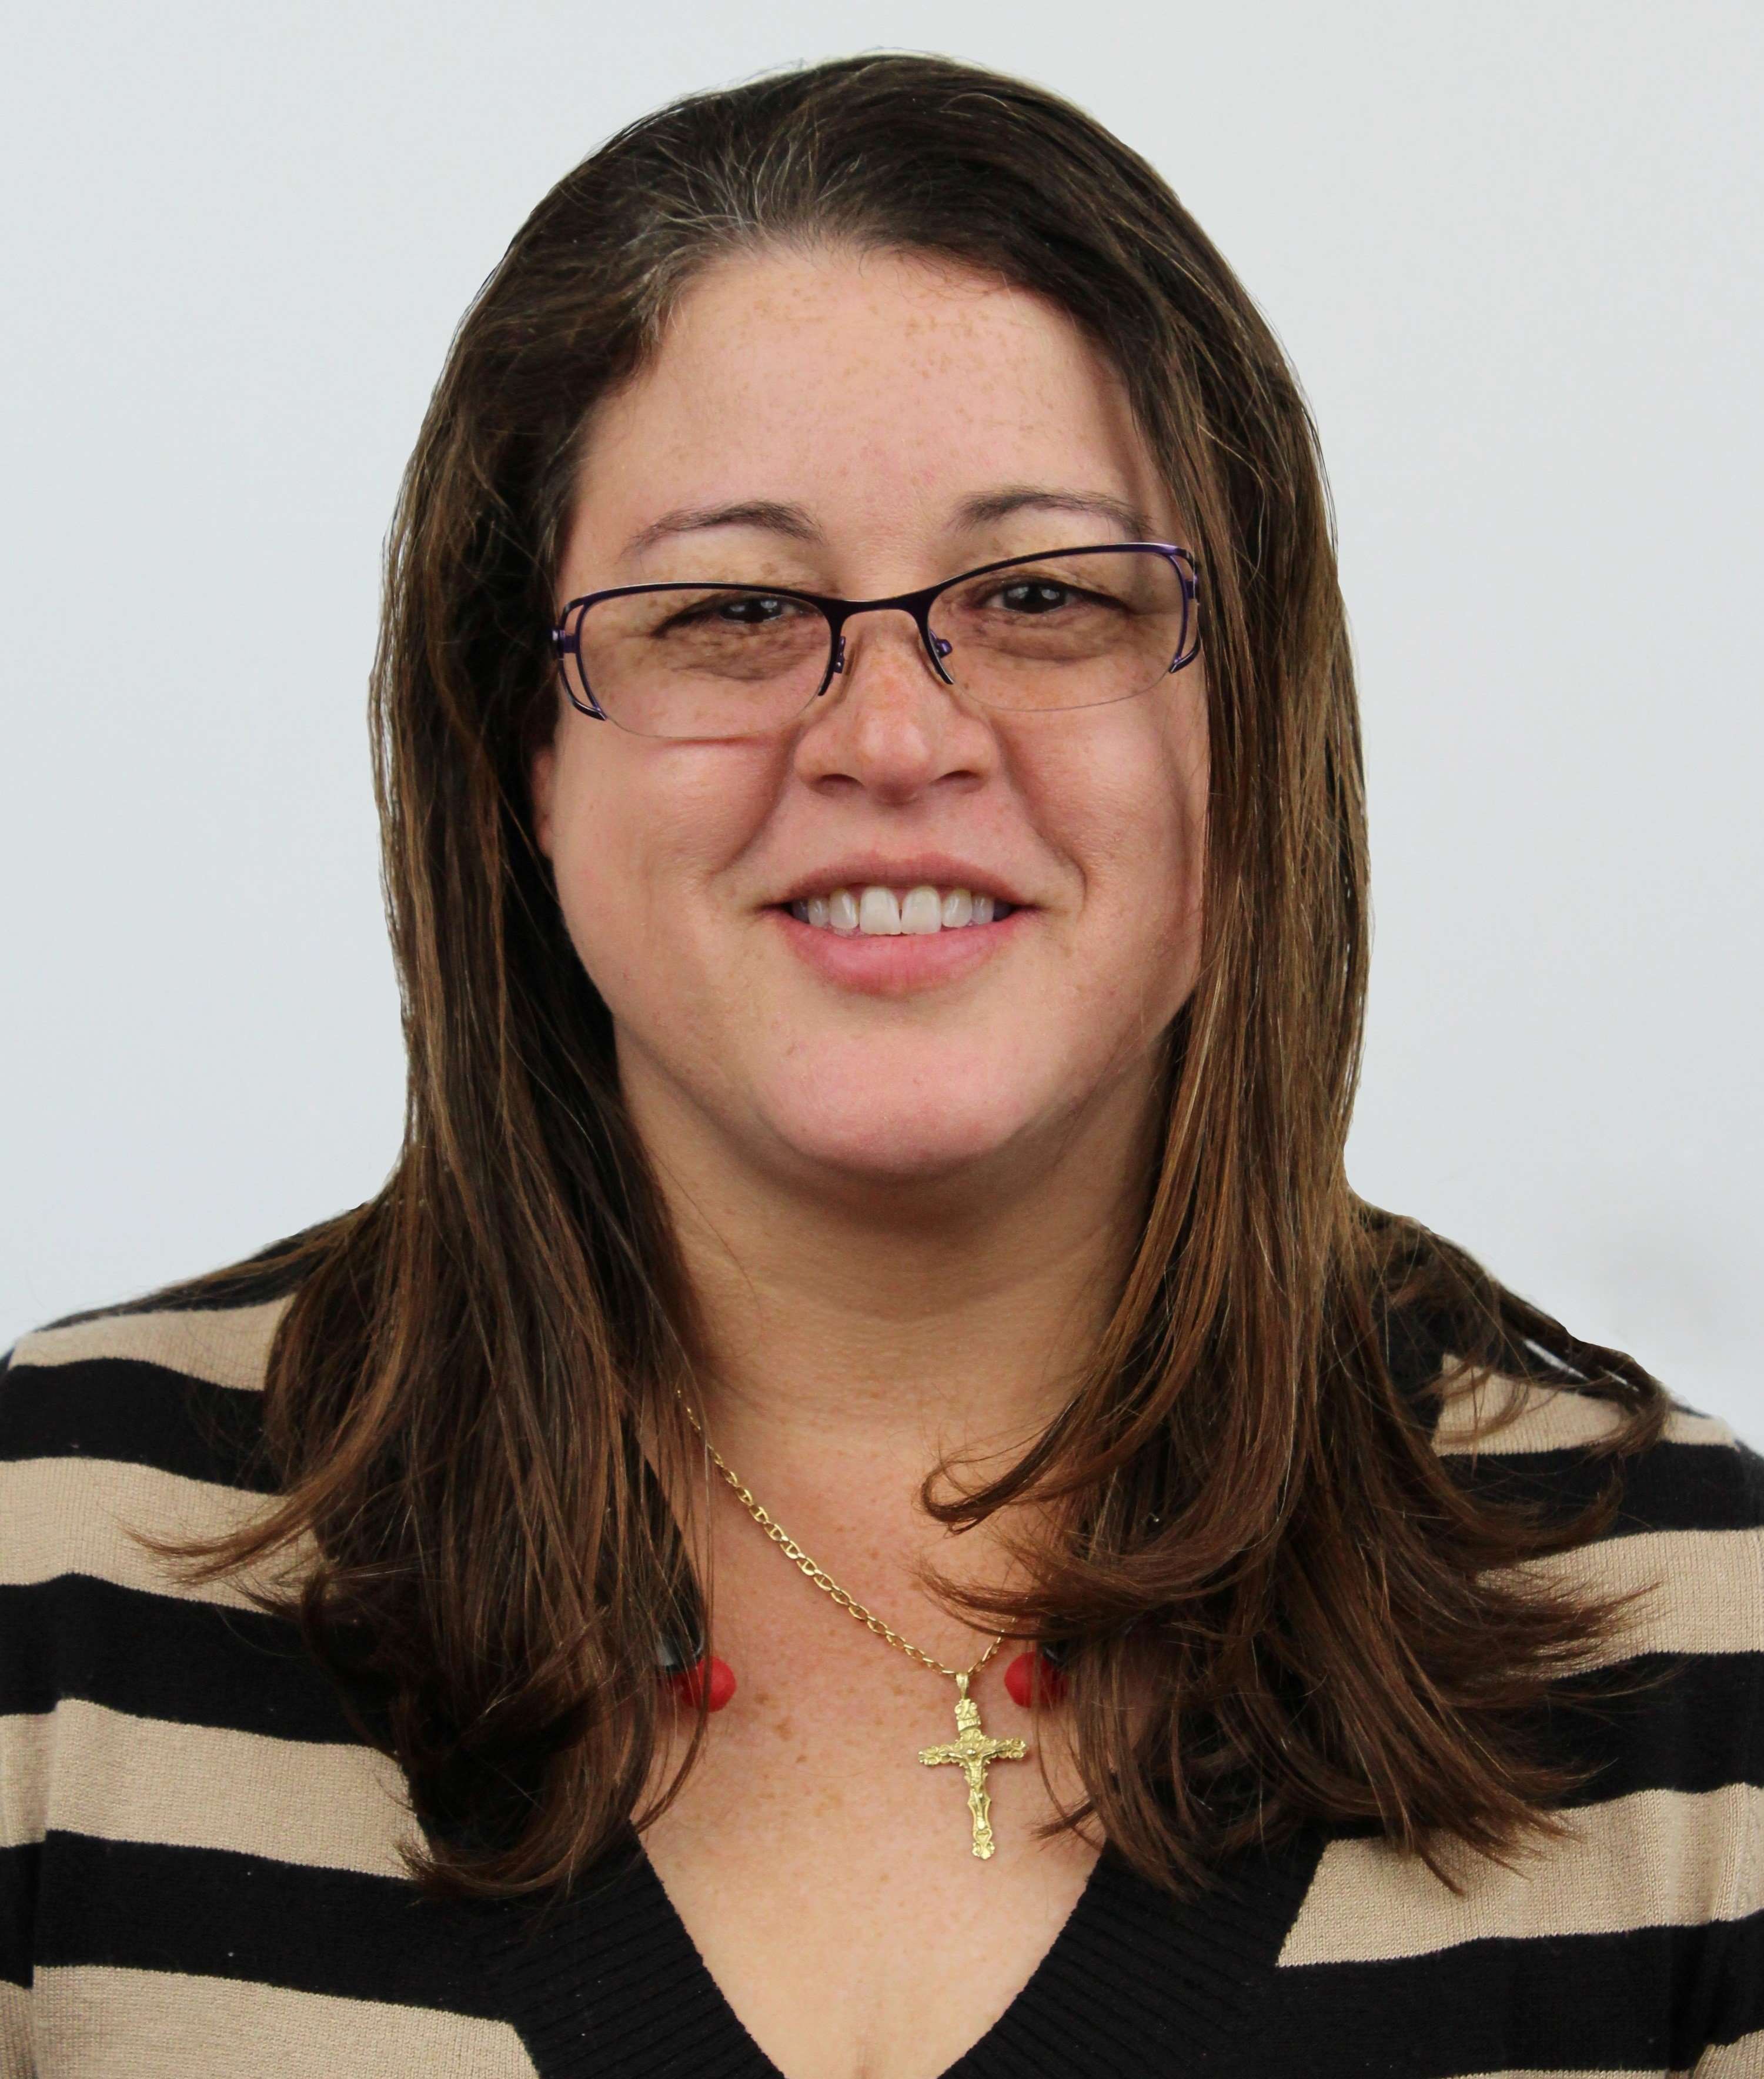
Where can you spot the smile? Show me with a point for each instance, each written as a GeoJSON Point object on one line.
{"type": "Point", "coordinates": [889, 913]}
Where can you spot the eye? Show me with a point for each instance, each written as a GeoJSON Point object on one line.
{"type": "Point", "coordinates": [1035, 596]}
{"type": "Point", "coordinates": [753, 610]}
{"type": "Point", "coordinates": [742, 610]}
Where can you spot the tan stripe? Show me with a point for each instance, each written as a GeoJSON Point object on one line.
{"type": "Point", "coordinates": [1552, 1418]}
{"type": "Point", "coordinates": [227, 1346]}
{"type": "Point", "coordinates": [1704, 1590]}
{"type": "Point", "coordinates": [15, 2052]}
{"type": "Point", "coordinates": [86, 1770]}
{"type": "Point", "coordinates": [1723, 2062]}
{"type": "Point", "coordinates": [74, 1515]}
{"type": "Point", "coordinates": [24, 1778]}
{"type": "Point", "coordinates": [1741, 2059]}
{"type": "Point", "coordinates": [1655, 1858]}
{"type": "Point", "coordinates": [104, 2024]}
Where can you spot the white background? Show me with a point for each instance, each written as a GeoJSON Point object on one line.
{"type": "Point", "coordinates": [1514, 251]}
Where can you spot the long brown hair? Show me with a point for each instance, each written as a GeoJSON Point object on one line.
{"type": "Point", "coordinates": [468, 1388]}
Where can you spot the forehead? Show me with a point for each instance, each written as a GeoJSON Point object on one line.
{"type": "Point", "coordinates": [878, 390]}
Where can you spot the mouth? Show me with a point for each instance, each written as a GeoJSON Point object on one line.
{"type": "Point", "coordinates": [882, 941]}
{"type": "Point", "coordinates": [876, 911]}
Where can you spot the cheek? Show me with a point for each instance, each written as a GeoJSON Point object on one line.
{"type": "Point", "coordinates": [639, 832]}
{"type": "Point", "coordinates": [1125, 799]}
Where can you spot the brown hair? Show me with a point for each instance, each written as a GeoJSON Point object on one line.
{"type": "Point", "coordinates": [466, 1391]}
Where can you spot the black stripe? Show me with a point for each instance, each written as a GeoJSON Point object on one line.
{"type": "Point", "coordinates": [1640, 2001]}
{"type": "Point", "coordinates": [1673, 1486]}
{"type": "Point", "coordinates": [1736, 2008]}
{"type": "Point", "coordinates": [161, 1657]}
{"type": "Point", "coordinates": [1650, 1999]}
{"type": "Point", "coordinates": [1685, 1724]}
{"type": "Point", "coordinates": [212, 1913]}
{"type": "Point", "coordinates": [19, 1872]}
{"type": "Point", "coordinates": [145, 1414]}
{"type": "Point", "coordinates": [1681, 1726]}
{"type": "Point", "coordinates": [141, 1413]}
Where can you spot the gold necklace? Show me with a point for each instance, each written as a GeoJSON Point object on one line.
{"type": "Point", "coordinates": [971, 1750]}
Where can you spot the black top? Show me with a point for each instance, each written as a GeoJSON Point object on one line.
{"type": "Point", "coordinates": [198, 1865]}
{"type": "Point", "coordinates": [1132, 1984]}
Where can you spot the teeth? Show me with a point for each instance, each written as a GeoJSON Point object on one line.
{"type": "Point", "coordinates": [879, 912]}
{"type": "Point", "coordinates": [922, 911]}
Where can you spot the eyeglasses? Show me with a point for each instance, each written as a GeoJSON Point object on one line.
{"type": "Point", "coordinates": [1072, 628]}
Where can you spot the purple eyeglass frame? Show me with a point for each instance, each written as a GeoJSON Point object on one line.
{"type": "Point", "coordinates": [565, 637]}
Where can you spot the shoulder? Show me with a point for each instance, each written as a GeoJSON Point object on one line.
{"type": "Point", "coordinates": [171, 1381]}
{"type": "Point", "coordinates": [1669, 1829]}
{"type": "Point", "coordinates": [1655, 1882]}
{"type": "Point", "coordinates": [184, 1797]}
{"type": "Point", "coordinates": [1688, 1530]}
{"type": "Point", "coordinates": [158, 1410]}
{"type": "Point", "coordinates": [125, 1364]}
{"type": "Point", "coordinates": [140, 1700]}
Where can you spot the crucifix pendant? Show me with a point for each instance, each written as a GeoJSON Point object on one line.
{"type": "Point", "coordinates": [973, 1752]}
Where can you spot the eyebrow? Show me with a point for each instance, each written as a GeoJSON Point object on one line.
{"type": "Point", "coordinates": [791, 521]}
{"type": "Point", "coordinates": [1032, 498]}
{"type": "Point", "coordinates": [796, 524]}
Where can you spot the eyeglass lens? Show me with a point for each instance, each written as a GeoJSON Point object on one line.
{"type": "Point", "coordinates": [1061, 631]}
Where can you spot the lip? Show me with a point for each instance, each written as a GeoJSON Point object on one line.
{"type": "Point", "coordinates": [882, 965]}
{"type": "Point", "coordinates": [934, 869]}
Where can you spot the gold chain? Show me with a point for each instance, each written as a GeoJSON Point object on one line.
{"type": "Point", "coordinates": [819, 1575]}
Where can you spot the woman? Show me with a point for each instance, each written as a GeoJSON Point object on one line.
{"type": "Point", "coordinates": [872, 789]}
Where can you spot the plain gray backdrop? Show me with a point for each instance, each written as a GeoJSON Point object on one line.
{"type": "Point", "coordinates": [1514, 252]}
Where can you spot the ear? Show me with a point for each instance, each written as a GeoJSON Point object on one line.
{"type": "Point", "coordinates": [541, 784]}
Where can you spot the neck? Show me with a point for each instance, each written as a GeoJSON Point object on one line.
{"type": "Point", "coordinates": [869, 1327]}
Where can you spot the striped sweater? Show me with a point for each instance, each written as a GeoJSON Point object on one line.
{"type": "Point", "coordinates": [199, 1860]}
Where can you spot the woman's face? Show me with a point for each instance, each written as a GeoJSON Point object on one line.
{"type": "Point", "coordinates": [864, 425]}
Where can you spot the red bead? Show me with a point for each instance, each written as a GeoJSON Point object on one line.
{"type": "Point", "coordinates": [1029, 1672]}
{"type": "Point", "coordinates": [721, 1683]}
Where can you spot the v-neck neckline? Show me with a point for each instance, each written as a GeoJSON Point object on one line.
{"type": "Point", "coordinates": [609, 1984]}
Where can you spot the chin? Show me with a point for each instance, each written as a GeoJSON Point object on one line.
{"type": "Point", "coordinates": [878, 1137]}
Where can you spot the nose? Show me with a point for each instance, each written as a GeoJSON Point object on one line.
{"type": "Point", "coordinates": [934, 648]}
{"type": "Point", "coordinates": [891, 723]}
